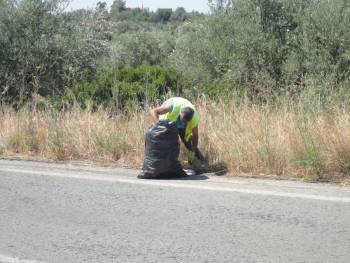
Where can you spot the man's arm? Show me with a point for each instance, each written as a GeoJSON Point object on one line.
{"type": "Point", "coordinates": [158, 111]}
{"type": "Point", "coordinates": [195, 137]}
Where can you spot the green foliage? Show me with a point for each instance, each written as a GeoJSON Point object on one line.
{"type": "Point", "coordinates": [261, 49]}
{"type": "Point", "coordinates": [326, 36]}
{"type": "Point", "coordinates": [179, 15]}
{"type": "Point", "coordinates": [127, 86]}
{"type": "Point", "coordinates": [143, 36]}
{"type": "Point", "coordinates": [309, 157]}
{"type": "Point", "coordinates": [45, 50]}
{"type": "Point", "coordinates": [162, 15]}
{"type": "Point", "coordinates": [267, 46]}
{"type": "Point", "coordinates": [117, 7]}
{"type": "Point", "coordinates": [120, 12]}
{"type": "Point", "coordinates": [143, 46]}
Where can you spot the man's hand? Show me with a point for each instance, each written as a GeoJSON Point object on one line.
{"type": "Point", "coordinates": [191, 157]}
{"type": "Point", "coordinates": [158, 111]}
{"type": "Point", "coordinates": [195, 138]}
{"type": "Point", "coordinates": [192, 153]}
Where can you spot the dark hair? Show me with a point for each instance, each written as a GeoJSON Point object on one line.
{"type": "Point", "coordinates": [187, 114]}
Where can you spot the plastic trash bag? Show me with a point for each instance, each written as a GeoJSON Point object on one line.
{"type": "Point", "coordinates": [162, 151]}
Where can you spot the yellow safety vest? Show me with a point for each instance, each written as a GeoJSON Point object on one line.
{"type": "Point", "coordinates": [177, 105]}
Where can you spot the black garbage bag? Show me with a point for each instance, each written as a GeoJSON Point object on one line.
{"type": "Point", "coordinates": [162, 151]}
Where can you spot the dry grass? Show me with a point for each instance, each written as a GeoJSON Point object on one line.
{"type": "Point", "coordinates": [75, 135]}
{"type": "Point", "coordinates": [260, 140]}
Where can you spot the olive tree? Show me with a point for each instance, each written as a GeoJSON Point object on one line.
{"type": "Point", "coordinates": [44, 49]}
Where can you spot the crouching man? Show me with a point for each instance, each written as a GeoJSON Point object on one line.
{"type": "Point", "coordinates": [186, 118]}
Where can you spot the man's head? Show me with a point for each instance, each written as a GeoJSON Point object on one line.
{"type": "Point", "coordinates": [186, 114]}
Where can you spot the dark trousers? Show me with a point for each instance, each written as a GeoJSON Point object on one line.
{"type": "Point", "coordinates": [188, 144]}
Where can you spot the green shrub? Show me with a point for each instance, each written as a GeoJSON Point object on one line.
{"type": "Point", "coordinates": [136, 48]}
{"type": "Point", "coordinates": [267, 46]}
{"type": "Point", "coordinates": [44, 50]}
{"type": "Point", "coordinates": [127, 86]}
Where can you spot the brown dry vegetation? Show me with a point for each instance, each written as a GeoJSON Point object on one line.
{"type": "Point", "coordinates": [283, 141]}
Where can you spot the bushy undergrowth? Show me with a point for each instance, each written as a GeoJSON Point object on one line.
{"type": "Point", "coordinates": [127, 86]}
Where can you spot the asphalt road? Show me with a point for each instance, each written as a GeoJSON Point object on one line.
{"type": "Point", "coordinates": [66, 213]}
